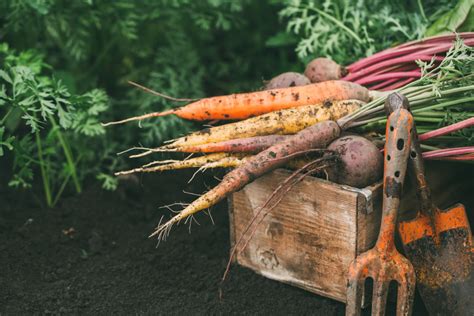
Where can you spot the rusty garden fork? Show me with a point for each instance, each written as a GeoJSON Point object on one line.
{"type": "Point", "coordinates": [384, 263]}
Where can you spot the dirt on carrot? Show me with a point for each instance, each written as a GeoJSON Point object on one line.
{"type": "Point", "coordinates": [245, 105]}
{"type": "Point", "coordinates": [287, 121]}
{"type": "Point", "coordinates": [240, 145]}
{"type": "Point", "coordinates": [214, 160]}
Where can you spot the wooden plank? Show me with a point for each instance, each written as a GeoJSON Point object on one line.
{"type": "Point", "coordinates": [308, 240]}
{"type": "Point", "coordinates": [368, 223]}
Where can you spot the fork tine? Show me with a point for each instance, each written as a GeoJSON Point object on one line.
{"type": "Point", "coordinates": [406, 294]}
{"type": "Point", "coordinates": [355, 288]}
{"type": "Point", "coordinates": [379, 297]}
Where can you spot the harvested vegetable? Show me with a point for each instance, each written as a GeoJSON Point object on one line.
{"type": "Point", "coordinates": [287, 79]}
{"type": "Point", "coordinates": [448, 87]}
{"type": "Point", "coordinates": [245, 105]}
{"type": "Point", "coordinates": [287, 121]}
{"type": "Point", "coordinates": [240, 145]}
{"type": "Point", "coordinates": [324, 69]}
{"type": "Point", "coordinates": [360, 162]}
{"type": "Point", "coordinates": [259, 143]}
{"type": "Point", "coordinates": [224, 160]}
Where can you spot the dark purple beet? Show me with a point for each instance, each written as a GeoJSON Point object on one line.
{"type": "Point", "coordinates": [360, 161]}
{"type": "Point", "coordinates": [324, 69]}
{"type": "Point", "coordinates": [287, 79]}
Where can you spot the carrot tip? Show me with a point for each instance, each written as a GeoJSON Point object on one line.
{"type": "Point", "coordinates": [162, 231]}
{"type": "Point", "coordinates": [145, 153]}
{"type": "Point", "coordinates": [153, 150]}
{"type": "Point", "coordinates": [139, 118]}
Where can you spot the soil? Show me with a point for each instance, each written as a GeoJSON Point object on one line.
{"type": "Point", "coordinates": [91, 255]}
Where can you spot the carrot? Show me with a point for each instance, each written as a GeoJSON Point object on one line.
{"type": "Point", "coordinates": [240, 145]}
{"type": "Point", "coordinates": [287, 121]}
{"type": "Point", "coordinates": [245, 105]}
{"type": "Point", "coordinates": [316, 136]}
{"type": "Point", "coordinates": [214, 160]}
{"type": "Point", "coordinates": [224, 159]}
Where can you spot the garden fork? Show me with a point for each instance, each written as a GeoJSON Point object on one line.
{"type": "Point", "coordinates": [384, 263]}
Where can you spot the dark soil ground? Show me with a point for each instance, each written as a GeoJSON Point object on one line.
{"type": "Point", "coordinates": [91, 255]}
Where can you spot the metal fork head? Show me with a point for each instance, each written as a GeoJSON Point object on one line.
{"type": "Point", "coordinates": [383, 268]}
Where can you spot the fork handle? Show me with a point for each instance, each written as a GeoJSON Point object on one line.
{"type": "Point", "coordinates": [396, 101]}
{"type": "Point", "coordinates": [423, 190]}
{"type": "Point", "coordinates": [397, 149]}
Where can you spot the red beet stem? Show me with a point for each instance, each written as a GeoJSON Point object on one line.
{"type": "Point", "coordinates": [439, 38]}
{"type": "Point", "coordinates": [383, 84]}
{"type": "Point", "coordinates": [440, 44]}
{"type": "Point", "coordinates": [466, 157]}
{"type": "Point", "coordinates": [424, 56]}
{"type": "Point", "coordinates": [398, 84]}
{"type": "Point", "coordinates": [395, 68]}
{"type": "Point", "coordinates": [447, 129]}
{"type": "Point", "coordinates": [390, 75]}
{"type": "Point", "coordinates": [384, 55]}
{"type": "Point", "coordinates": [449, 152]}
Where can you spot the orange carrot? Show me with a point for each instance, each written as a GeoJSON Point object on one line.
{"type": "Point", "coordinates": [244, 105]}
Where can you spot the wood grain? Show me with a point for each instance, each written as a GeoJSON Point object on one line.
{"type": "Point", "coordinates": [311, 237]}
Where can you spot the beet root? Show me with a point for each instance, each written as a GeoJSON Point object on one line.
{"type": "Point", "coordinates": [324, 69]}
{"type": "Point", "coordinates": [360, 162]}
{"type": "Point", "coordinates": [287, 79]}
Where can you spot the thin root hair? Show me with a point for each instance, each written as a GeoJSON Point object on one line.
{"type": "Point", "coordinates": [195, 173]}
{"type": "Point", "coordinates": [132, 148]}
{"type": "Point", "coordinates": [191, 193]}
{"type": "Point", "coordinates": [159, 94]}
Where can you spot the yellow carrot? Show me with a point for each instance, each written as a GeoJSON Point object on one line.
{"type": "Point", "coordinates": [216, 160]}
{"type": "Point", "coordinates": [287, 121]}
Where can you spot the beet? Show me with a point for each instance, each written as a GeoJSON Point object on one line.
{"type": "Point", "coordinates": [360, 162]}
{"type": "Point", "coordinates": [324, 69]}
{"type": "Point", "coordinates": [287, 79]}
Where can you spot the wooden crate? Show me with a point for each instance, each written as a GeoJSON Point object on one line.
{"type": "Point", "coordinates": [313, 234]}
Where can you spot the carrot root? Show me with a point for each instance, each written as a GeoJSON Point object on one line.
{"type": "Point", "coordinates": [214, 160]}
{"type": "Point", "coordinates": [139, 118]}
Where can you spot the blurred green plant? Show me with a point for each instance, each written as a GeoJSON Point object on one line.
{"type": "Point", "coordinates": [347, 30]}
{"type": "Point", "coordinates": [43, 123]}
{"type": "Point", "coordinates": [59, 52]}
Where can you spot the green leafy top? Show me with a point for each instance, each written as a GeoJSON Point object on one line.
{"type": "Point", "coordinates": [347, 30]}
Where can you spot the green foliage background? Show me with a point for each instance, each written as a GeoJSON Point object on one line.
{"type": "Point", "coordinates": [65, 66]}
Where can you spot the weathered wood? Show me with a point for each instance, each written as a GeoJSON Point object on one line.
{"type": "Point", "coordinates": [368, 219]}
{"type": "Point", "coordinates": [310, 238]}
{"type": "Point", "coordinates": [313, 234]}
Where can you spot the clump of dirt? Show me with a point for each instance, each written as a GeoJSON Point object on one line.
{"type": "Point", "coordinates": [91, 255]}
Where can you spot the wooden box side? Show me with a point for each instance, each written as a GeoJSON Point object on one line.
{"type": "Point", "coordinates": [369, 215]}
{"type": "Point", "coordinates": [308, 240]}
